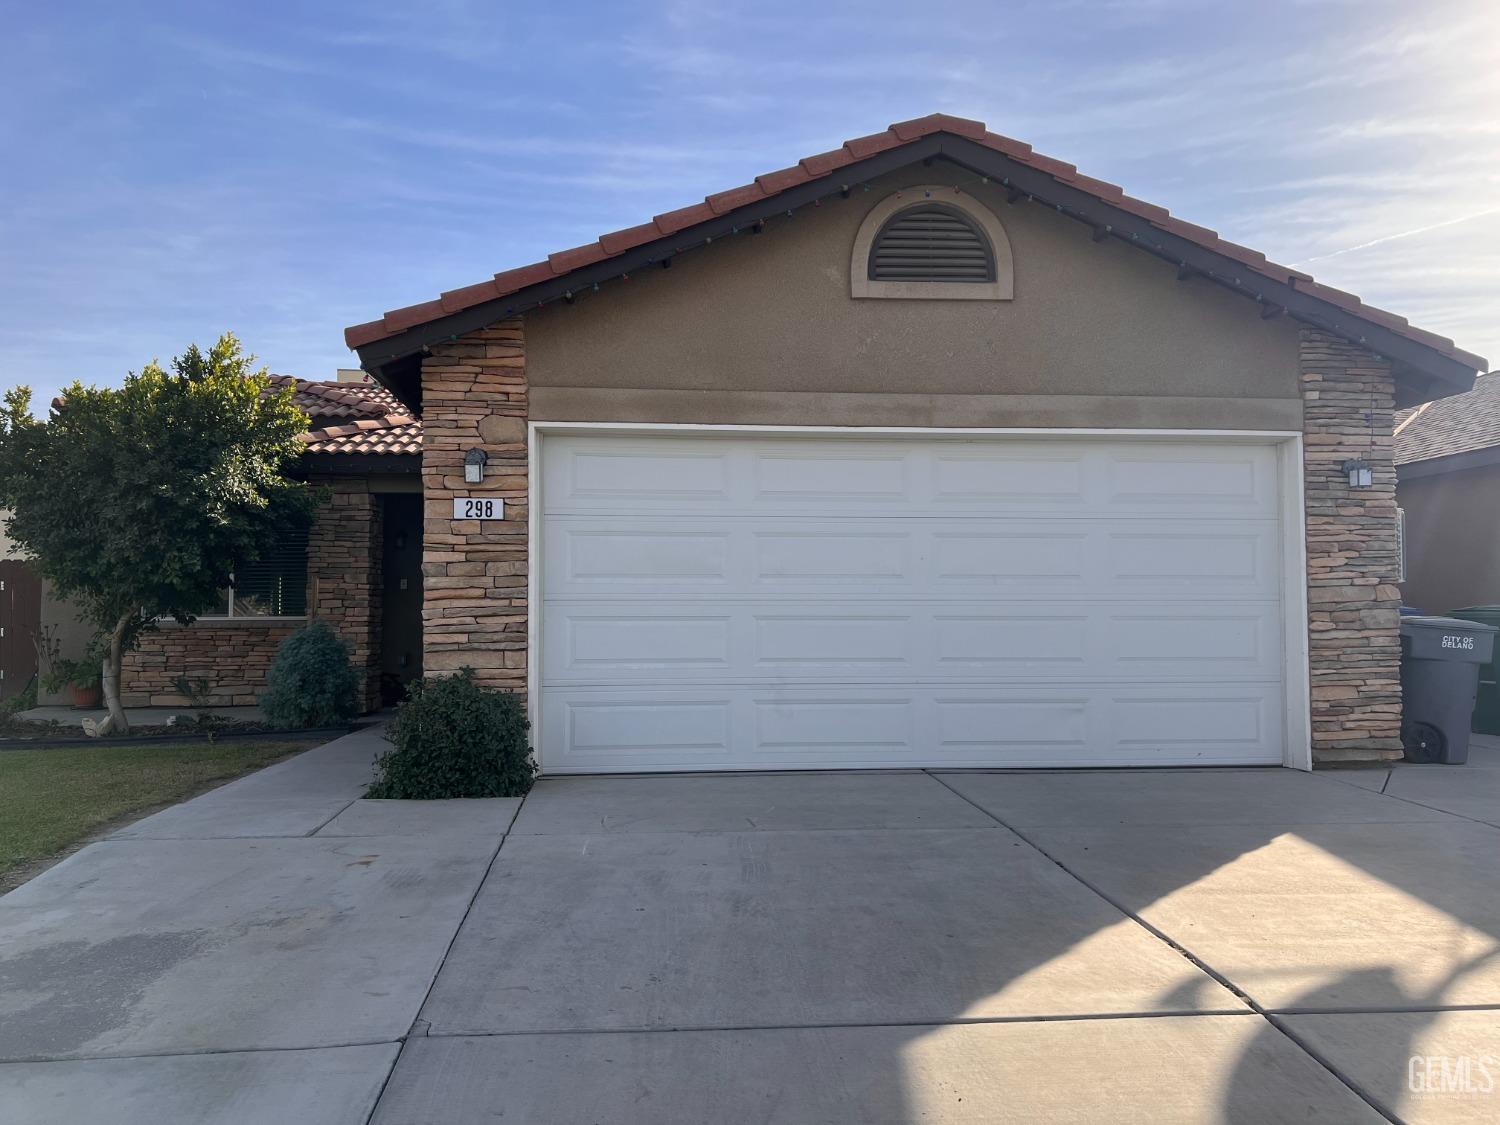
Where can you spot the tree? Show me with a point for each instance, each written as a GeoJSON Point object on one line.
{"type": "Point", "coordinates": [137, 502]}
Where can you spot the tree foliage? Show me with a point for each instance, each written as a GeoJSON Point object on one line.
{"type": "Point", "coordinates": [137, 502]}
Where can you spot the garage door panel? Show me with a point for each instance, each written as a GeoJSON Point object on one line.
{"type": "Point", "coordinates": [819, 556]}
{"type": "Point", "coordinates": [1238, 481]}
{"type": "Point", "coordinates": [1122, 558]}
{"type": "Point", "coordinates": [978, 476]}
{"type": "Point", "coordinates": [761, 642]}
{"type": "Point", "coordinates": [1196, 720]}
{"type": "Point", "coordinates": [743, 603]}
{"type": "Point", "coordinates": [980, 641]}
{"type": "Point", "coordinates": [839, 476]}
{"type": "Point", "coordinates": [660, 731]}
{"type": "Point", "coordinates": [1038, 558]}
{"type": "Point", "coordinates": [1207, 558]}
{"type": "Point", "coordinates": [930, 725]}
{"type": "Point", "coordinates": [643, 644]}
{"type": "Point", "coordinates": [618, 477]}
{"type": "Point", "coordinates": [809, 641]}
{"type": "Point", "coordinates": [770, 476]}
{"type": "Point", "coordinates": [636, 558]}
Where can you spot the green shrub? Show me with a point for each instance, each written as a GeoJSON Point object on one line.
{"type": "Point", "coordinates": [456, 738]}
{"type": "Point", "coordinates": [24, 700]}
{"type": "Point", "coordinates": [311, 682]}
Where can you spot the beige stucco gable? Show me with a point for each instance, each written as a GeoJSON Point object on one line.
{"type": "Point", "coordinates": [767, 323]}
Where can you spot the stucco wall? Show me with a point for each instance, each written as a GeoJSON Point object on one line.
{"type": "Point", "coordinates": [1452, 539]}
{"type": "Point", "coordinates": [765, 323]}
{"type": "Point", "coordinates": [7, 548]}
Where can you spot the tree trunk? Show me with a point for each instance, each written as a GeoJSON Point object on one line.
{"type": "Point", "coordinates": [116, 722]}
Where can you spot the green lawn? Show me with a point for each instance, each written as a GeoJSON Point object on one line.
{"type": "Point", "coordinates": [52, 799]}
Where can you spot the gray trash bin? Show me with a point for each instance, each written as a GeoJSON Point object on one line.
{"type": "Point", "coordinates": [1440, 661]}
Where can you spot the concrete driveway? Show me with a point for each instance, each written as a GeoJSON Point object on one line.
{"type": "Point", "coordinates": [1174, 945]}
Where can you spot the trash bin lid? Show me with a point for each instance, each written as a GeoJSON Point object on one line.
{"type": "Point", "coordinates": [1446, 624]}
{"type": "Point", "coordinates": [1488, 614]}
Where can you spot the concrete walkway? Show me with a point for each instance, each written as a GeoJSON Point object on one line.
{"type": "Point", "coordinates": [954, 947]}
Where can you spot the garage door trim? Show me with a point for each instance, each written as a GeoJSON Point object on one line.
{"type": "Point", "coordinates": [1297, 719]}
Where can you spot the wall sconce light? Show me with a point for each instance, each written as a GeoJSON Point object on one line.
{"type": "Point", "coordinates": [474, 462]}
{"type": "Point", "coordinates": [1359, 473]}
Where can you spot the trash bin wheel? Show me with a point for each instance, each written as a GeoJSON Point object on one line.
{"type": "Point", "coordinates": [1423, 742]}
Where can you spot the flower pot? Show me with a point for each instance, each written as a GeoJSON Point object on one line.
{"type": "Point", "coordinates": [86, 697]}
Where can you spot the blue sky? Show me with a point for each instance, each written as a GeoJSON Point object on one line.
{"type": "Point", "coordinates": [283, 170]}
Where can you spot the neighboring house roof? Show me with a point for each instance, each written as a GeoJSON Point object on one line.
{"type": "Point", "coordinates": [354, 418]}
{"type": "Point", "coordinates": [402, 333]}
{"type": "Point", "coordinates": [339, 400]}
{"type": "Point", "coordinates": [347, 418]}
{"type": "Point", "coordinates": [1460, 424]}
{"type": "Point", "coordinates": [395, 434]}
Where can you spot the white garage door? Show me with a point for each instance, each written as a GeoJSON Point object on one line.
{"type": "Point", "coordinates": [733, 602]}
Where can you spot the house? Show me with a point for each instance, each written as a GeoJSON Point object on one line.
{"type": "Point", "coordinates": [359, 565]}
{"type": "Point", "coordinates": [1448, 486]}
{"type": "Point", "coordinates": [928, 450]}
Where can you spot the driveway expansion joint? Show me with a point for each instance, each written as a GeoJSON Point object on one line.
{"type": "Point", "coordinates": [1270, 1017]}
{"type": "Point", "coordinates": [936, 1021]}
{"type": "Point", "coordinates": [342, 810]}
{"type": "Point", "coordinates": [421, 1028]}
{"type": "Point", "coordinates": [33, 1060]}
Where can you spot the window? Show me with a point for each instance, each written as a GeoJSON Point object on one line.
{"type": "Point", "coordinates": [275, 585]}
{"type": "Point", "coordinates": [931, 242]}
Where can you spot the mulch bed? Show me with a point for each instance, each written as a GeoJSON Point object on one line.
{"type": "Point", "coordinates": [18, 734]}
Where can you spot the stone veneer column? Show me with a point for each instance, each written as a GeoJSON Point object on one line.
{"type": "Point", "coordinates": [344, 573]}
{"type": "Point", "coordinates": [474, 573]}
{"type": "Point", "coordinates": [1353, 620]}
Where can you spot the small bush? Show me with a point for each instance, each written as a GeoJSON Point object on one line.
{"type": "Point", "coordinates": [25, 700]}
{"type": "Point", "coordinates": [456, 738]}
{"type": "Point", "coordinates": [311, 682]}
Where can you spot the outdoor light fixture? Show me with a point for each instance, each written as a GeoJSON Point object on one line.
{"type": "Point", "coordinates": [1359, 473]}
{"type": "Point", "coordinates": [474, 461]}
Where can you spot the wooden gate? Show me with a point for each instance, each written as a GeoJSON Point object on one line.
{"type": "Point", "coordinates": [20, 618]}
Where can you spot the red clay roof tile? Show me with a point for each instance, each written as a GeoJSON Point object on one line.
{"type": "Point", "coordinates": [1191, 231]}
{"type": "Point", "coordinates": [566, 261]}
{"type": "Point", "coordinates": [1061, 169]}
{"type": "Point", "coordinates": [522, 276]}
{"type": "Point", "coordinates": [783, 178]}
{"type": "Point", "coordinates": [823, 164]}
{"type": "Point", "coordinates": [861, 147]}
{"type": "Point", "coordinates": [1148, 211]}
{"type": "Point", "coordinates": [938, 123]}
{"type": "Point", "coordinates": [1008, 145]}
{"type": "Point", "coordinates": [1103, 189]}
{"type": "Point", "coordinates": [456, 300]}
{"type": "Point", "coordinates": [353, 417]}
{"type": "Point", "coordinates": [358, 335]}
{"type": "Point", "coordinates": [398, 320]}
{"type": "Point", "coordinates": [670, 222]}
{"type": "Point", "coordinates": [724, 201]}
{"type": "Point", "coordinates": [617, 242]}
